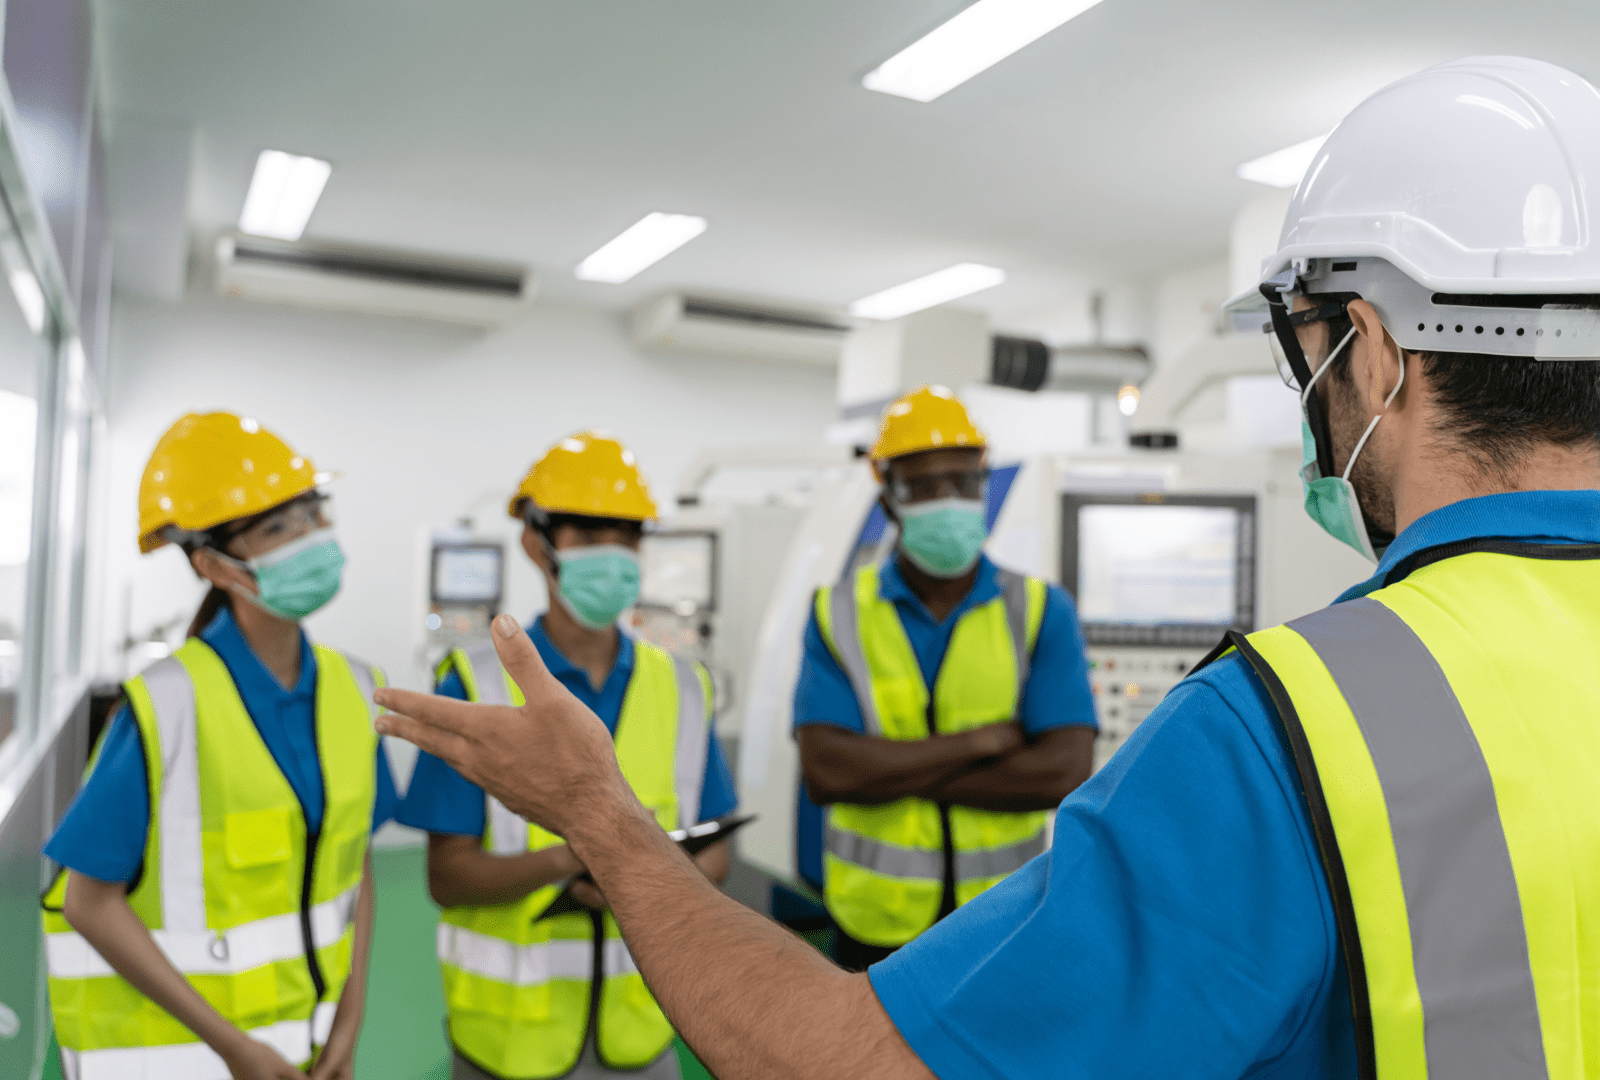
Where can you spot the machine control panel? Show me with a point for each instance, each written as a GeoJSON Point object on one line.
{"type": "Point", "coordinates": [1127, 683]}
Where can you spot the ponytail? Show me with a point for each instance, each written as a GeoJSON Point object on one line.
{"type": "Point", "coordinates": [215, 601]}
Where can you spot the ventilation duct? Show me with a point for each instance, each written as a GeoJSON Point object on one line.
{"type": "Point", "coordinates": [372, 281]}
{"type": "Point", "coordinates": [742, 330]}
{"type": "Point", "coordinates": [1025, 364]}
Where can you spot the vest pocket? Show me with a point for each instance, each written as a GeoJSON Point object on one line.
{"type": "Point", "coordinates": [257, 837]}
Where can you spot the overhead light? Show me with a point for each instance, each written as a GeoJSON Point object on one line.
{"type": "Point", "coordinates": [1283, 168]}
{"type": "Point", "coordinates": [957, 281]}
{"type": "Point", "coordinates": [283, 192]}
{"type": "Point", "coordinates": [30, 298]}
{"type": "Point", "coordinates": [1128, 400]}
{"type": "Point", "coordinates": [978, 38]}
{"type": "Point", "coordinates": [647, 241]}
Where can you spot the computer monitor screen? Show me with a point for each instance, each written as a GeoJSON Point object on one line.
{"type": "Point", "coordinates": [1160, 569]}
{"type": "Point", "coordinates": [678, 571]}
{"type": "Point", "coordinates": [467, 574]}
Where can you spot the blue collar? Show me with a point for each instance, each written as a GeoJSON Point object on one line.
{"type": "Point", "coordinates": [250, 675]}
{"type": "Point", "coordinates": [1559, 517]}
{"type": "Point", "coordinates": [560, 666]}
{"type": "Point", "coordinates": [892, 586]}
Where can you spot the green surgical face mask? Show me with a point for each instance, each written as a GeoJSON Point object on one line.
{"type": "Point", "coordinates": [597, 583]}
{"type": "Point", "coordinates": [943, 537]}
{"type": "Point", "coordinates": [1331, 501]}
{"type": "Point", "coordinates": [298, 578]}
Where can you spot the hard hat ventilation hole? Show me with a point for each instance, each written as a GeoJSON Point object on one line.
{"type": "Point", "coordinates": [1499, 330]}
{"type": "Point", "coordinates": [1479, 330]}
{"type": "Point", "coordinates": [1422, 326]}
{"type": "Point", "coordinates": [1558, 333]}
{"type": "Point", "coordinates": [1440, 328]}
{"type": "Point", "coordinates": [1519, 331]}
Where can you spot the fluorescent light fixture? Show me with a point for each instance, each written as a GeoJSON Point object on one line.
{"type": "Point", "coordinates": [952, 283]}
{"type": "Point", "coordinates": [645, 242]}
{"type": "Point", "coordinates": [978, 38]}
{"type": "Point", "coordinates": [283, 192]}
{"type": "Point", "coordinates": [30, 298]}
{"type": "Point", "coordinates": [1283, 168]}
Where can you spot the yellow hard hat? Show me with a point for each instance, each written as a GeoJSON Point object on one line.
{"type": "Point", "coordinates": [215, 467]}
{"type": "Point", "coordinates": [589, 473]}
{"type": "Point", "coordinates": [928, 418]}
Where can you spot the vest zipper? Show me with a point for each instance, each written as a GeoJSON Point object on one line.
{"type": "Point", "coordinates": [947, 889]}
{"type": "Point", "coordinates": [318, 982]}
{"type": "Point", "coordinates": [597, 979]}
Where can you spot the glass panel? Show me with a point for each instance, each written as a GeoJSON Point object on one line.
{"type": "Point", "coordinates": [21, 354]}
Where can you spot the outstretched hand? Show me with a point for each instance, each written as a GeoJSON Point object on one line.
{"type": "Point", "coordinates": [550, 760]}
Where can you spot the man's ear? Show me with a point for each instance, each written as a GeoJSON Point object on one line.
{"type": "Point", "coordinates": [533, 544]}
{"type": "Point", "coordinates": [1374, 360]}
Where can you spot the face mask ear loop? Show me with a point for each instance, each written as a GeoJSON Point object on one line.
{"type": "Point", "coordinates": [1386, 403]}
{"type": "Point", "coordinates": [1326, 364]}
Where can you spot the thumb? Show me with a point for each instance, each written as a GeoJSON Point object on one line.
{"type": "Point", "coordinates": [519, 657]}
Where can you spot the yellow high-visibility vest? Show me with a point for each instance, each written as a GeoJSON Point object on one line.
{"type": "Point", "coordinates": [1446, 729]}
{"type": "Point", "coordinates": [885, 865]}
{"type": "Point", "coordinates": [521, 987]}
{"type": "Point", "coordinates": [254, 910]}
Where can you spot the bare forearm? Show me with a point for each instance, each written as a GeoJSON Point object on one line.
{"type": "Point", "coordinates": [842, 766]}
{"type": "Point", "coordinates": [461, 873]}
{"type": "Point", "coordinates": [722, 972]}
{"type": "Point", "coordinates": [99, 911]}
{"type": "Point", "coordinates": [1036, 777]}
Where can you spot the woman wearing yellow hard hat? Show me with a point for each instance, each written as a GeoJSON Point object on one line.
{"type": "Point", "coordinates": [537, 980]}
{"type": "Point", "coordinates": [943, 703]}
{"type": "Point", "coordinates": [215, 907]}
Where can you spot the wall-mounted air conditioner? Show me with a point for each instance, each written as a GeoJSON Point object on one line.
{"type": "Point", "coordinates": [372, 281]}
{"type": "Point", "coordinates": [740, 329]}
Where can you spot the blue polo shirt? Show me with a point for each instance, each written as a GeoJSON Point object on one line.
{"type": "Point", "coordinates": [1181, 924]}
{"type": "Point", "coordinates": [1057, 689]}
{"type": "Point", "coordinates": [440, 800]}
{"type": "Point", "coordinates": [103, 832]}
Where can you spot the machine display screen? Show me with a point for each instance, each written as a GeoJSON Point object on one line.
{"type": "Point", "coordinates": [678, 571]}
{"type": "Point", "coordinates": [1160, 569]}
{"type": "Point", "coordinates": [467, 574]}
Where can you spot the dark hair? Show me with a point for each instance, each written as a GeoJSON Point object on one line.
{"type": "Point", "coordinates": [1497, 408]}
{"type": "Point", "coordinates": [216, 599]}
{"type": "Point", "coordinates": [552, 522]}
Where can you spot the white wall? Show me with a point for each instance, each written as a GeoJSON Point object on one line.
{"type": "Point", "coordinates": [425, 423]}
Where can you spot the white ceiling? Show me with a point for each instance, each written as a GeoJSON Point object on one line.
{"type": "Point", "coordinates": [535, 130]}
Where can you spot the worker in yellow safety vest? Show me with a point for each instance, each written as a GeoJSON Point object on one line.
{"type": "Point", "coordinates": [213, 914]}
{"type": "Point", "coordinates": [943, 704]}
{"type": "Point", "coordinates": [537, 981]}
{"type": "Point", "coordinates": [1362, 844]}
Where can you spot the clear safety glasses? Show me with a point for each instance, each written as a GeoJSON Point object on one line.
{"type": "Point", "coordinates": [293, 519]}
{"type": "Point", "coordinates": [965, 484]}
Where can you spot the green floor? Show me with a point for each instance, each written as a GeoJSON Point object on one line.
{"type": "Point", "coordinates": [403, 1036]}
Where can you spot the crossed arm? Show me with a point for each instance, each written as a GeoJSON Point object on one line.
{"type": "Point", "coordinates": [991, 767]}
{"type": "Point", "coordinates": [725, 975]}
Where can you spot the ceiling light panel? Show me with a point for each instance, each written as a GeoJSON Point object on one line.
{"type": "Point", "coordinates": [1283, 168]}
{"type": "Point", "coordinates": [283, 192]}
{"type": "Point", "coordinates": [952, 283]}
{"type": "Point", "coordinates": [648, 241]}
{"type": "Point", "coordinates": [978, 38]}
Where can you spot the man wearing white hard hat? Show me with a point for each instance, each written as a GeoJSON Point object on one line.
{"type": "Point", "coordinates": [1365, 844]}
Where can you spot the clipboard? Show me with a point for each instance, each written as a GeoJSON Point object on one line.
{"type": "Point", "coordinates": [692, 840]}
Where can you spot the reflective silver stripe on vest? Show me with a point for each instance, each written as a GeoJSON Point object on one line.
{"type": "Point", "coordinates": [617, 960]}
{"type": "Point", "coordinates": [508, 832]}
{"type": "Point", "coordinates": [694, 732]}
{"type": "Point", "coordinates": [264, 941]}
{"type": "Point", "coordinates": [182, 859]}
{"type": "Point", "coordinates": [195, 1060]}
{"type": "Point", "coordinates": [1014, 588]}
{"type": "Point", "coordinates": [846, 627]}
{"type": "Point", "coordinates": [505, 962]}
{"type": "Point", "coordinates": [366, 682]}
{"type": "Point", "coordinates": [887, 859]}
{"type": "Point", "coordinates": [998, 862]}
{"type": "Point", "coordinates": [1468, 942]}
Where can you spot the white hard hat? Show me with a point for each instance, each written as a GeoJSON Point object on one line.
{"type": "Point", "coordinates": [1461, 203]}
